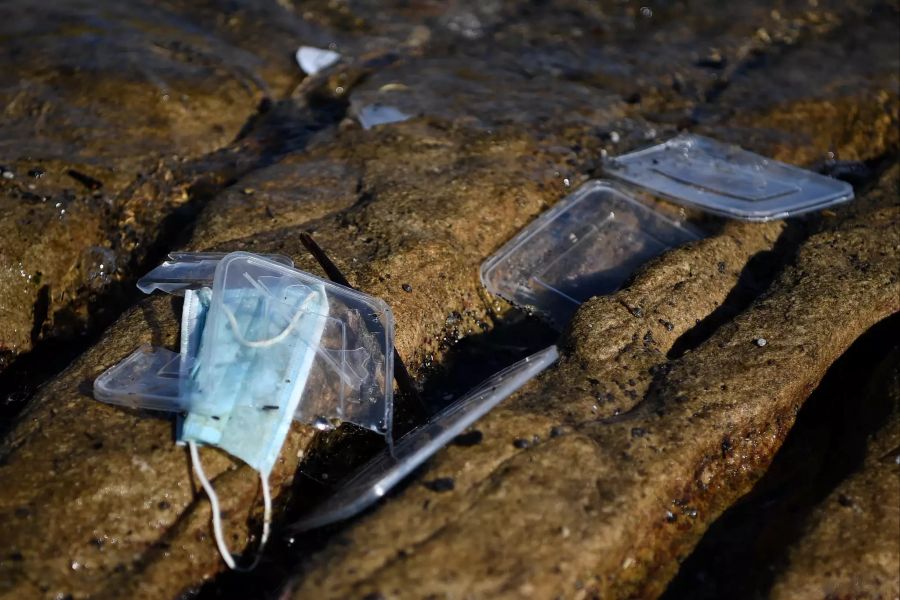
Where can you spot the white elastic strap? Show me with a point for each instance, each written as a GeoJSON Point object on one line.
{"type": "Point", "coordinates": [217, 513]}
{"type": "Point", "coordinates": [235, 327]}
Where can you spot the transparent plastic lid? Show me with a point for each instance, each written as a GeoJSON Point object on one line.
{"type": "Point", "coordinates": [727, 180]}
{"type": "Point", "coordinates": [587, 245]}
{"type": "Point", "coordinates": [148, 378]}
{"type": "Point", "coordinates": [375, 478]}
{"type": "Point", "coordinates": [287, 339]}
{"type": "Point", "coordinates": [189, 270]}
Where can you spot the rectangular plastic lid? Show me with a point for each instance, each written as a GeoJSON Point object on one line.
{"type": "Point", "coordinates": [726, 180]}
{"type": "Point", "coordinates": [375, 478]}
{"type": "Point", "coordinates": [189, 270]}
{"type": "Point", "coordinates": [587, 245]}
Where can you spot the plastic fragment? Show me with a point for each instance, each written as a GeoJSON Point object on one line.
{"type": "Point", "coordinates": [374, 479]}
{"type": "Point", "coordinates": [189, 270]}
{"type": "Point", "coordinates": [373, 115]}
{"type": "Point", "coordinates": [314, 60]}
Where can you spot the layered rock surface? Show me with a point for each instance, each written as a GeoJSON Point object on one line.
{"type": "Point", "coordinates": [848, 548]}
{"type": "Point", "coordinates": [600, 477]}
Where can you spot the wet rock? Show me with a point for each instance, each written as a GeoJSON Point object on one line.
{"type": "Point", "coordinates": [848, 547]}
{"type": "Point", "coordinates": [512, 106]}
{"type": "Point", "coordinates": [129, 119]}
{"type": "Point", "coordinates": [412, 218]}
{"type": "Point", "coordinates": [94, 107]}
{"type": "Point", "coordinates": [295, 190]}
{"type": "Point", "coordinates": [616, 504]}
{"type": "Point", "coordinates": [847, 78]}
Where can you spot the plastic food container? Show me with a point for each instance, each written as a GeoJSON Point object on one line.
{"type": "Point", "coordinates": [331, 348]}
{"type": "Point", "coordinates": [587, 245]}
{"type": "Point", "coordinates": [595, 239]}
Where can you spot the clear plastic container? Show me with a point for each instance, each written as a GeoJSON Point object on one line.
{"type": "Point", "coordinates": [375, 478]}
{"type": "Point", "coordinates": [726, 180]}
{"type": "Point", "coordinates": [189, 270]}
{"type": "Point", "coordinates": [587, 245]}
{"type": "Point", "coordinates": [351, 378]}
{"type": "Point", "coordinates": [284, 336]}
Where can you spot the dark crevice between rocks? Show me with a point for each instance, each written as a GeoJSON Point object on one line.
{"type": "Point", "coordinates": [758, 274]}
{"type": "Point", "coordinates": [472, 357]}
{"type": "Point", "coordinates": [764, 268]}
{"type": "Point", "coordinates": [277, 130]}
{"type": "Point", "coordinates": [741, 553]}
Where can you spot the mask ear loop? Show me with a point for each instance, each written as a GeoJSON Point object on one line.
{"type": "Point", "coordinates": [217, 513]}
{"type": "Point", "coordinates": [298, 314]}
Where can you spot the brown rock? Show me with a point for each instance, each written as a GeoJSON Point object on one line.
{"type": "Point", "coordinates": [94, 96]}
{"type": "Point", "coordinates": [99, 503]}
{"type": "Point", "coordinates": [847, 78]}
{"type": "Point", "coordinates": [710, 423]}
{"type": "Point", "coordinates": [848, 548]}
{"type": "Point", "coordinates": [157, 552]}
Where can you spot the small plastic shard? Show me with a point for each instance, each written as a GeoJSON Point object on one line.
{"type": "Point", "coordinates": [373, 115]}
{"type": "Point", "coordinates": [189, 270]}
{"type": "Point", "coordinates": [587, 245]}
{"type": "Point", "coordinates": [314, 60]}
{"type": "Point", "coordinates": [727, 180]}
{"type": "Point", "coordinates": [375, 478]}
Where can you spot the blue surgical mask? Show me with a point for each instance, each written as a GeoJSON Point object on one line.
{"type": "Point", "coordinates": [265, 345]}
{"type": "Point", "coordinates": [256, 350]}
{"type": "Point", "coordinates": [245, 377]}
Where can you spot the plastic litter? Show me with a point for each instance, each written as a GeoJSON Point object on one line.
{"type": "Point", "coordinates": [726, 180]}
{"type": "Point", "coordinates": [593, 240]}
{"type": "Point", "coordinates": [374, 479]}
{"type": "Point", "coordinates": [373, 115]}
{"type": "Point", "coordinates": [587, 245]}
{"type": "Point", "coordinates": [314, 60]}
{"type": "Point", "coordinates": [351, 372]}
{"type": "Point", "coordinates": [267, 344]}
{"type": "Point", "coordinates": [189, 270]}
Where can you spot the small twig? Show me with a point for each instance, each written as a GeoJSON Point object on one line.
{"type": "Point", "coordinates": [401, 374]}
